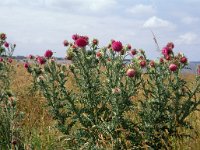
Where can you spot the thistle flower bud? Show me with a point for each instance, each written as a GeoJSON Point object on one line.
{"type": "Point", "coordinates": [161, 60]}
{"type": "Point", "coordinates": [133, 52]}
{"type": "Point", "coordinates": [41, 60]}
{"type": "Point", "coordinates": [152, 64]}
{"type": "Point", "coordinates": [143, 63]}
{"type": "Point", "coordinates": [3, 36]}
{"type": "Point", "coordinates": [26, 65]}
{"type": "Point", "coordinates": [98, 54]}
{"type": "Point", "coordinates": [65, 43]}
{"type": "Point", "coordinates": [95, 42]}
{"type": "Point", "coordinates": [128, 46]}
{"type": "Point", "coordinates": [30, 56]}
{"type": "Point", "coordinates": [6, 44]}
{"type": "Point", "coordinates": [183, 60]}
{"type": "Point", "coordinates": [10, 60]}
{"type": "Point", "coordinates": [40, 78]}
{"type": "Point", "coordinates": [130, 73]}
{"type": "Point", "coordinates": [116, 90]}
{"type": "Point", "coordinates": [173, 67]}
{"type": "Point", "coordinates": [75, 37]}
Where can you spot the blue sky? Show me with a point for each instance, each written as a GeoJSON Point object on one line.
{"type": "Point", "coordinates": [38, 25]}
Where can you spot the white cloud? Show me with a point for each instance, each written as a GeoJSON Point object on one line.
{"type": "Point", "coordinates": [188, 38]}
{"type": "Point", "coordinates": [190, 20]}
{"type": "Point", "coordinates": [77, 5]}
{"type": "Point", "coordinates": [142, 9]}
{"type": "Point", "coordinates": [192, 1]}
{"type": "Point", "coordinates": [155, 22]}
{"type": "Point", "coordinates": [101, 4]}
{"type": "Point", "coordinates": [21, 2]}
{"type": "Point", "coordinates": [36, 31]}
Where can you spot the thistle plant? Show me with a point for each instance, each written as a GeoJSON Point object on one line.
{"type": "Point", "coordinates": [168, 99]}
{"type": "Point", "coordinates": [105, 108]}
{"type": "Point", "coordinates": [92, 114]}
{"type": "Point", "coordinates": [9, 135]}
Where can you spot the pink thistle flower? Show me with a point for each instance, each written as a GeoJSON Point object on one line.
{"type": "Point", "coordinates": [166, 51]}
{"type": "Point", "coordinates": [173, 67]}
{"type": "Point", "coordinates": [117, 46]}
{"type": "Point", "coordinates": [130, 73]}
{"type": "Point", "coordinates": [170, 46]}
{"type": "Point", "coordinates": [81, 42]}
{"type": "Point", "coordinates": [26, 65]}
{"type": "Point", "coordinates": [1, 59]}
{"type": "Point", "coordinates": [6, 44]}
{"type": "Point", "coordinates": [48, 54]}
{"type": "Point", "coordinates": [41, 60]}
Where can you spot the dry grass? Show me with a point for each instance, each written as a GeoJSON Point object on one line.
{"type": "Point", "coordinates": [38, 126]}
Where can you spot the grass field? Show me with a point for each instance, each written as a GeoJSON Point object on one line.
{"type": "Point", "coordinates": [37, 126]}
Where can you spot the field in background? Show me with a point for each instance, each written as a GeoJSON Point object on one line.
{"type": "Point", "coordinates": [38, 127]}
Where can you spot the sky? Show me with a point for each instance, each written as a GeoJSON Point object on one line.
{"type": "Point", "coordinates": [38, 25]}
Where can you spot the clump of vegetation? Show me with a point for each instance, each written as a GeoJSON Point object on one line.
{"type": "Point", "coordinates": [9, 131]}
{"type": "Point", "coordinates": [144, 104]}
